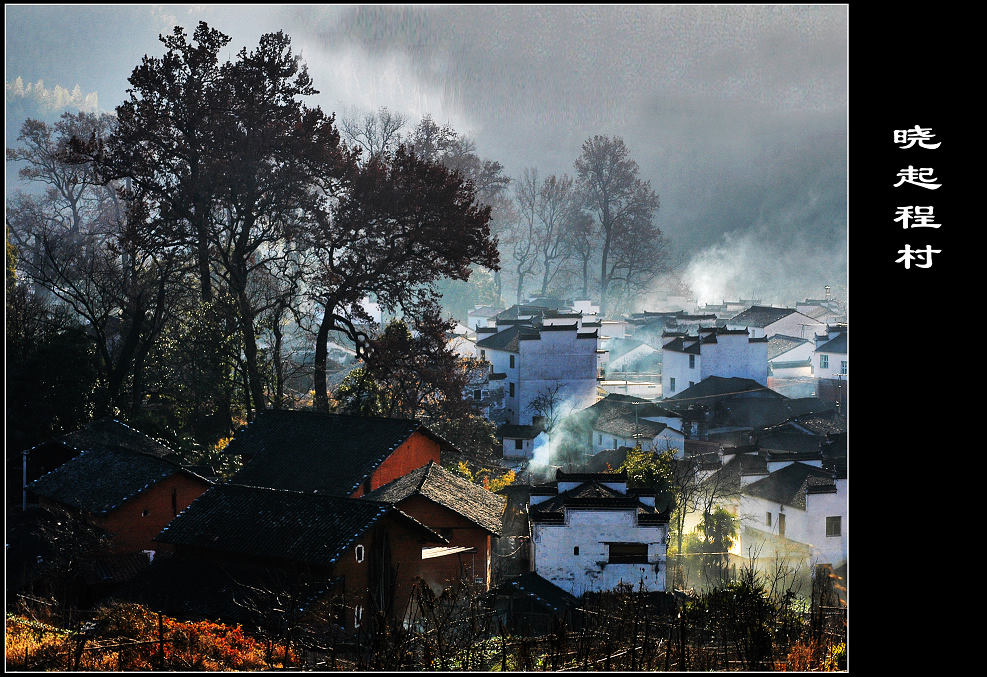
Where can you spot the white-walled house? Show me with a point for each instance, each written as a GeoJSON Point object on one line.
{"type": "Point", "coordinates": [829, 358]}
{"type": "Point", "coordinates": [799, 513]}
{"type": "Point", "coordinates": [714, 351]}
{"type": "Point", "coordinates": [589, 533]}
{"type": "Point", "coordinates": [535, 360]}
{"type": "Point", "coordinates": [481, 316]}
{"type": "Point", "coordinates": [522, 442]}
{"type": "Point", "coordinates": [767, 321]}
{"type": "Point", "coordinates": [790, 356]}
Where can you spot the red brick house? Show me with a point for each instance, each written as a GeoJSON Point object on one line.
{"type": "Point", "coordinates": [329, 453]}
{"type": "Point", "coordinates": [130, 495]}
{"type": "Point", "coordinates": [105, 433]}
{"type": "Point", "coordinates": [465, 513]}
{"type": "Point", "coordinates": [364, 552]}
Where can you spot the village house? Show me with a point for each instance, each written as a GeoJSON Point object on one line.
{"type": "Point", "coordinates": [358, 555]}
{"type": "Point", "coordinates": [713, 351]}
{"type": "Point", "coordinates": [797, 512]}
{"type": "Point", "coordinates": [727, 309]}
{"type": "Point", "coordinates": [590, 533]}
{"type": "Point", "coordinates": [829, 358]}
{"type": "Point", "coordinates": [625, 420]}
{"type": "Point", "coordinates": [479, 316]}
{"type": "Point", "coordinates": [831, 366]}
{"type": "Point", "coordinates": [104, 433]}
{"type": "Point", "coordinates": [789, 356]}
{"type": "Point", "coordinates": [330, 453]}
{"type": "Point", "coordinates": [536, 360]}
{"type": "Point", "coordinates": [129, 494]}
{"type": "Point", "coordinates": [827, 310]}
{"type": "Point", "coordinates": [766, 321]}
{"type": "Point", "coordinates": [521, 442]}
{"type": "Point", "coordinates": [465, 514]}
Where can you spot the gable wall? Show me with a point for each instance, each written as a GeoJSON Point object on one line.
{"type": "Point", "coordinates": [441, 571]}
{"type": "Point", "coordinates": [133, 531]}
{"type": "Point", "coordinates": [412, 454]}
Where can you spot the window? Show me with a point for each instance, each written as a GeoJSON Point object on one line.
{"type": "Point", "coordinates": [833, 526]}
{"type": "Point", "coordinates": [483, 354]}
{"type": "Point", "coordinates": [692, 383]}
{"type": "Point", "coordinates": [512, 390]}
{"type": "Point", "coordinates": [628, 553]}
{"type": "Point", "coordinates": [477, 394]}
{"type": "Point", "coordinates": [599, 439]}
{"type": "Point", "coordinates": [824, 361]}
{"type": "Point", "coordinates": [512, 361]}
{"type": "Point", "coordinates": [767, 519]}
{"type": "Point", "coordinates": [575, 550]}
{"type": "Point", "coordinates": [360, 552]}
{"type": "Point", "coordinates": [357, 616]}
{"type": "Point", "coordinates": [519, 444]}
{"type": "Point", "coordinates": [671, 385]}
{"type": "Point", "coordinates": [692, 361]}
{"type": "Point", "coordinates": [781, 524]}
{"type": "Point", "coordinates": [843, 366]}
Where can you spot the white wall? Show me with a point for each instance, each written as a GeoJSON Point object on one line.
{"type": "Point", "coordinates": [833, 370]}
{"type": "Point", "coordinates": [552, 555]}
{"type": "Point", "coordinates": [557, 357]}
{"type": "Point", "coordinates": [733, 355]}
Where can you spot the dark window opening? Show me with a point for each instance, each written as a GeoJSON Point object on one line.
{"type": "Point", "coordinates": [628, 553]}
{"type": "Point", "coordinates": [833, 526]}
{"type": "Point", "coordinates": [519, 444]}
{"type": "Point", "coordinates": [575, 550]}
{"type": "Point", "coordinates": [781, 524]}
{"type": "Point", "coordinates": [512, 361]}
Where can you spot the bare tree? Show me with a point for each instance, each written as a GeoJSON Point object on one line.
{"type": "Point", "coordinates": [376, 133]}
{"type": "Point", "coordinates": [622, 204]}
{"type": "Point", "coordinates": [557, 212]}
{"type": "Point", "coordinates": [520, 235]}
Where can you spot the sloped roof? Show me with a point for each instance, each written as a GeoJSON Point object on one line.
{"type": "Point", "coordinates": [102, 479]}
{"type": "Point", "coordinates": [278, 524]}
{"type": "Point", "coordinates": [537, 588]}
{"type": "Point", "coordinates": [110, 433]}
{"type": "Point", "coordinates": [788, 485]}
{"type": "Point", "coordinates": [594, 495]}
{"type": "Point", "coordinates": [324, 453]}
{"type": "Point", "coordinates": [713, 387]}
{"type": "Point", "coordinates": [835, 345]}
{"type": "Point", "coordinates": [507, 339]}
{"type": "Point", "coordinates": [624, 424]}
{"type": "Point", "coordinates": [519, 432]}
{"type": "Point", "coordinates": [483, 508]}
{"type": "Point", "coordinates": [761, 316]}
{"type": "Point", "coordinates": [789, 441]}
{"type": "Point", "coordinates": [779, 344]}
{"type": "Point", "coordinates": [728, 476]}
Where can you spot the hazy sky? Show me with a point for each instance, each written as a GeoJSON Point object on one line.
{"type": "Point", "coordinates": [736, 114]}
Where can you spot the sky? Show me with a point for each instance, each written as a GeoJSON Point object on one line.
{"type": "Point", "coordinates": [736, 114]}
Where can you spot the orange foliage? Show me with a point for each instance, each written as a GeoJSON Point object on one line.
{"type": "Point", "coordinates": [133, 645]}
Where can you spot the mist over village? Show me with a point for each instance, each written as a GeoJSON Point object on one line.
{"type": "Point", "coordinates": [480, 338]}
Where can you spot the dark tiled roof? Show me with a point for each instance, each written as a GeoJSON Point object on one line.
{"type": "Point", "coordinates": [728, 477]}
{"type": "Point", "coordinates": [102, 479]}
{"type": "Point", "coordinates": [310, 451]}
{"type": "Point", "coordinates": [780, 344]}
{"type": "Point", "coordinates": [508, 339]}
{"type": "Point", "coordinates": [591, 493]}
{"type": "Point", "coordinates": [764, 412]}
{"type": "Point", "coordinates": [277, 524]}
{"type": "Point", "coordinates": [682, 344]}
{"type": "Point", "coordinates": [625, 425]}
{"type": "Point", "coordinates": [483, 508]}
{"type": "Point", "coordinates": [788, 485]}
{"type": "Point", "coordinates": [713, 387]}
{"type": "Point", "coordinates": [834, 345]}
{"type": "Point", "coordinates": [109, 433]}
{"type": "Point", "coordinates": [607, 459]}
{"type": "Point", "coordinates": [789, 441]}
{"type": "Point", "coordinates": [537, 588]}
{"type": "Point", "coordinates": [761, 316]}
{"type": "Point", "coordinates": [519, 432]}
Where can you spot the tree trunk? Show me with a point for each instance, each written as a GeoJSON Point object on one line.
{"type": "Point", "coordinates": [319, 382]}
